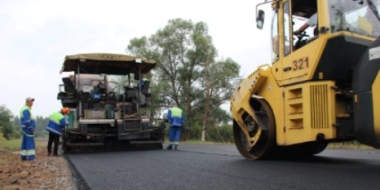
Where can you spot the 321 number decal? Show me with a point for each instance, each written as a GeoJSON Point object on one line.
{"type": "Point", "coordinates": [300, 64]}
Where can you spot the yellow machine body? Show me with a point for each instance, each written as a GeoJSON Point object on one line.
{"type": "Point", "coordinates": [314, 91]}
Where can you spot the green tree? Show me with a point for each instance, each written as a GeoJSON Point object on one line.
{"type": "Point", "coordinates": [41, 124]}
{"type": "Point", "coordinates": [1, 137]}
{"type": "Point", "coordinates": [117, 83]}
{"type": "Point", "coordinates": [7, 127]}
{"type": "Point", "coordinates": [16, 123]}
{"type": "Point", "coordinates": [40, 131]}
{"type": "Point", "coordinates": [218, 83]}
{"type": "Point", "coordinates": [188, 71]}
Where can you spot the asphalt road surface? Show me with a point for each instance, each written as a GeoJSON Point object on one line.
{"type": "Point", "coordinates": [208, 167]}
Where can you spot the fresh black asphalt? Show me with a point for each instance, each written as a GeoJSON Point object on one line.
{"type": "Point", "coordinates": [198, 167]}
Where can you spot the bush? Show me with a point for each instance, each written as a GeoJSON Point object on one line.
{"type": "Point", "coordinates": [1, 137]}
{"type": "Point", "coordinates": [220, 134]}
{"type": "Point", "coordinates": [7, 127]}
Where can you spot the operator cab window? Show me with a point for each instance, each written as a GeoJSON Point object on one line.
{"type": "Point", "coordinates": [304, 12]}
{"type": "Point", "coordinates": [287, 27]}
{"type": "Point", "coordinates": [274, 37]}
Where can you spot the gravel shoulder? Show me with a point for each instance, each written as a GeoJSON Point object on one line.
{"type": "Point", "coordinates": [45, 172]}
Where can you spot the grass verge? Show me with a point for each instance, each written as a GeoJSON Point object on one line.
{"type": "Point", "coordinates": [349, 145]}
{"type": "Point", "coordinates": [341, 145]}
{"type": "Point", "coordinates": [15, 144]}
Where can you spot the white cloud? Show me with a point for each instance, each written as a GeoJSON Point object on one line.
{"type": "Point", "coordinates": [36, 35]}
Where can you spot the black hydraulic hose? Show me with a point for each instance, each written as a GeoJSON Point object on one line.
{"type": "Point", "coordinates": [123, 111]}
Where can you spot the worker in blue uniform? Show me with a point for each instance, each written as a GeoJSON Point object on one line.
{"type": "Point", "coordinates": [28, 126]}
{"type": "Point", "coordinates": [143, 100]}
{"type": "Point", "coordinates": [57, 122]}
{"type": "Point", "coordinates": [176, 118]}
{"type": "Point", "coordinates": [142, 81]}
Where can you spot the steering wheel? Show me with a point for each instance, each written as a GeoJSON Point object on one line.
{"type": "Point", "coordinates": [300, 36]}
{"type": "Point", "coordinates": [300, 40]}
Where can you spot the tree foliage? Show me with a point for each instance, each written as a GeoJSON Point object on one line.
{"type": "Point", "coordinates": [41, 124]}
{"type": "Point", "coordinates": [10, 125]}
{"type": "Point", "coordinates": [7, 127]}
{"type": "Point", "coordinates": [188, 72]}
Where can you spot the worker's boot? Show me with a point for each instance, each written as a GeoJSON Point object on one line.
{"type": "Point", "coordinates": [175, 147]}
{"type": "Point", "coordinates": [170, 147]}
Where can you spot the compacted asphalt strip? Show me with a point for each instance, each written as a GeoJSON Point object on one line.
{"type": "Point", "coordinates": [222, 167]}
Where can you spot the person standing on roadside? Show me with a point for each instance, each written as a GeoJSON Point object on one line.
{"type": "Point", "coordinates": [176, 120]}
{"type": "Point", "coordinates": [57, 122]}
{"type": "Point", "coordinates": [28, 126]}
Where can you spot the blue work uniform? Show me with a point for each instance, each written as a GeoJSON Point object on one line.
{"type": "Point", "coordinates": [141, 82]}
{"type": "Point", "coordinates": [176, 119]}
{"type": "Point", "coordinates": [56, 123]}
{"type": "Point", "coordinates": [28, 126]}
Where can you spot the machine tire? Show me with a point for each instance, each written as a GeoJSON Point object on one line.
{"type": "Point", "coordinates": [265, 145]}
{"type": "Point", "coordinates": [65, 148]}
{"type": "Point", "coordinates": [159, 146]}
{"type": "Point", "coordinates": [305, 149]}
{"type": "Point", "coordinates": [316, 148]}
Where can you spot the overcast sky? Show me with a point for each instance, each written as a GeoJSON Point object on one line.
{"type": "Point", "coordinates": [35, 36]}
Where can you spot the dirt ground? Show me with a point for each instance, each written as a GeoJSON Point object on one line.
{"type": "Point", "coordinates": [43, 173]}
